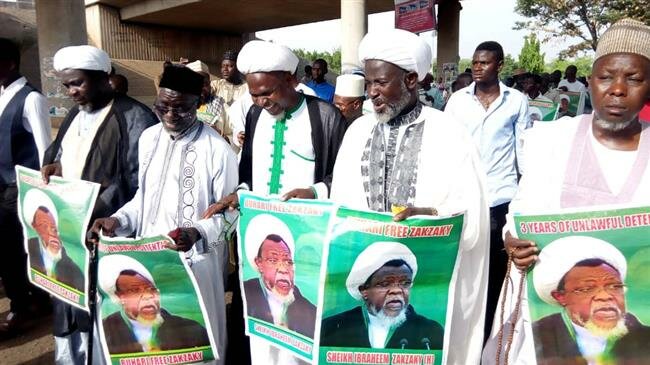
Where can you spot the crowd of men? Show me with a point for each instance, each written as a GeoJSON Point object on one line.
{"type": "Point", "coordinates": [378, 140]}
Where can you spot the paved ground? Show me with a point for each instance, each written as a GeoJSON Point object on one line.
{"type": "Point", "coordinates": [34, 346]}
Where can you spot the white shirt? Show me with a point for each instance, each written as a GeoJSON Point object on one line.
{"type": "Point", "coordinates": [575, 86]}
{"type": "Point", "coordinates": [498, 134]}
{"type": "Point", "coordinates": [590, 346]}
{"type": "Point", "coordinates": [618, 164]}
{"type": "Point", "coordinates": [377, 332]}
{"type": "Point", "coordinates": [446, 147]}
{"type": "Point", "coordinates": [142, 334]}
{"type": "Point", "coordinates": [35, 114]}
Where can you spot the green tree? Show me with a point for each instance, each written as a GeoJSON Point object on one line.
{"type": "Point", "coordinates": [530, 58]}
{"type": "Point", "coordinates": [582, 63]}
{"type": "Point", "coordinates": [509, 66]}
{"type": "Point", "coordinates": [583, 19]}
{"type": "Point", "coordinates": [332, 58]}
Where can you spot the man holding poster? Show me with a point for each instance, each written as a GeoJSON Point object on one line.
{"type": "Point", "coordinates": [589, 160]}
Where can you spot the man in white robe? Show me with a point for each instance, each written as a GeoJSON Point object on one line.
{"type": "Point", "coordinates": [184, 167]}
{"type": "Point", "coordinates": [590, 160]}
{"type": "Point", "coordinates": [413, 159]}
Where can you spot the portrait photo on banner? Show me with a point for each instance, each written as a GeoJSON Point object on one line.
{"type": "Point", "coordinates": [387, 286]}
{"type": "Point", "coordinates": [151, 306]}
{"type": "Point", "coordinates": [588, 293]}
{"type": "Point", "coordinates": [54, 219]}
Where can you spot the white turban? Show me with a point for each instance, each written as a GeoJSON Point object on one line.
{"type": "Point", "coordinates": [350, 86]}
{"type": "Point", "coordinates": [565, 97]}
{"type": "Point", "coordinates": [198, 66]}
{"type": "Point", "coordinates": [561, 255]}
{"type": "Point", "coordinates": [262, 56]}
{"type": "Point", "coordinates": [34, 199]}
{"type": "Point", "coordinates": [399, 47]}
{"type": "Point", "coordinates": [535, 111]}
{"type": "Point", "coordinates": [372, 258]}
{"type": "Point", "coordinates": [82, 58]}
{"type": "Point", "coordinates": [259, 228]}
{"type": "Point", "coordinates": [110, 268]}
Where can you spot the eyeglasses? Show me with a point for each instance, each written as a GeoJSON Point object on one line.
{"type": "Point", "coordinates": [276, 262]}
{"type": "Point", "coordinates": [385, 285]}
{"type": "Point", "coordinates": [180, 112]}
{"type": "Point", "coordinates": [132, 292]}
{"type": "Point", "coordinates": [611, 289]}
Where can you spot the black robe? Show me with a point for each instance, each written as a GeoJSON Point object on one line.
{"type": "Point", "coordinates": [301, 314]}
{"type": "Point", "coordinates": [174, 333]}
{"type": "Point", "coordinates": [327, 130]}
{"type": "Point", "coordinates": [554, 344]}
{"type": "Point", "coordinates": [67, 272]}
{"type": "Point", "coordinates": [349, 329]}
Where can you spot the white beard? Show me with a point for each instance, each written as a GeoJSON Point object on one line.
{"type": "Point", "coordinates": [388, 321]}
{"type": "Point", "coordinates": [283, 299]}
{"type": "Point", "coordinates": [150, 322]}
{"type": "Point", "coordinates": [616, 332]}
{"type": "Point", "coordinates": [613, 126]}
{"type": "Point", "coordinates": [393, 110]}
{"type": "Point", "coordinates": [53, 257]}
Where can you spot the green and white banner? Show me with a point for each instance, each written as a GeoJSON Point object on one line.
{"type": "Point", "coordinates": [543, 111]}
{"type": "Point", "coordinates": [386, 288]}
{"type": "Point", "coordinates": [280, 249]}
{"type": "Point", "coordinates": [588, 293]}
{"type": "Point", "coordinates": [54, 217]}
{"type": "Point", "coordinates": [151, 309]}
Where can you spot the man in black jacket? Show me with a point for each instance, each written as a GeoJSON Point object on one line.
{"type": "Point", "coordinates": [97, 142]}
{"type": "Point", "coordinates": [382, 277]}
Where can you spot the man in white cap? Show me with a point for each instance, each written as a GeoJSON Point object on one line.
{"type": "Point", "coordinates": [410, 159]}
{"type": "Point", "coordinates": [564, 111]}
{"type": "Point", "coordinates": [496, 117]}
{"type": "Point", "coordinates": [273, 296]}
{"type": "Point", "coordinates": [382, 277]}
{"type": "Point", "coordinates": [590, 160]}
{"type": "Point", "coordinates": [47, 253]}
{"type": "Point", "coordinates": [142, 324]}
{"type": "Point", "coordinates": [585, 276]}
{"type": "Point", "coordinates": [184, 167]}
{"type": "Point", "coordinates": [349, 96]}
{"type": "Point", "coordinates": [97, 142]}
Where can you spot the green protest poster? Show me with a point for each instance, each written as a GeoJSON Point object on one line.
{"type": "Point", "coordinates": [588, 292]}
{"type": "Point", "coordinates": [151, 309]}
{"type": "Point", "coordinates": [280, 249]}
{"type": "Point", "coordinates": [54, 217]}
{"type": "Point", "coordinates": [576, 103]}
{"type": "Point", "coordinates": [544, 111]}
{"type": "Point", "coordinates": [386, 288]}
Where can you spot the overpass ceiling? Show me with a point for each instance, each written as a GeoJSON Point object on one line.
{"type": "Point", "coordinates": [230, 16]}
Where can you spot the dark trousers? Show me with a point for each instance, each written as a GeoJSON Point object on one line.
{"type": "Point", "coordinates": [13, 260]}
{"type": "Point", "coordinates": [498, 263]}
{"type": "Point", "coordinates": [238, 350]}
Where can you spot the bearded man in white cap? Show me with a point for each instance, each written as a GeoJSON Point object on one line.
{"type": "Point", "coordinates": [184, 167]}
{"type": "Point", "coordinates": [349, 96]}
{"type": "Point", "coordinates": [97, 142]}
{"type": "Point", "coordinates": [410, 159]}
{"type": "Point", "coordinates": [381, 278]}
{"type": "Point", "coordinates": [590, 160]}
{"type": "Point", "coordinates": [585, 276]}
{"type": "Point", "coordinates": [142, 324]}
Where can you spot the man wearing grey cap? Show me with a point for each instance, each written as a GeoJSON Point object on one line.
{"type": "Point", "coordinates": [588, 160]}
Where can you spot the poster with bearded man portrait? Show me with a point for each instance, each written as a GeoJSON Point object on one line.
{"type": "Point", "coordinates": [386, 289]}
{"type": "Point", "coordinates": [280, 253]}
{"type": "Point", "coordinates": [54, 217]}
{"type": "Point", "coordinates": [151, 309]}
{"type": "Point", "coordinates": [588, 291]}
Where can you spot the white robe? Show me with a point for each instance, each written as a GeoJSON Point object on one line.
{"type": "Point", "coordinates": [547, 147]}
{"type": "Point", "coordinates": [450, 179]}
{"type": "Point", "coordinates": [178, 180]}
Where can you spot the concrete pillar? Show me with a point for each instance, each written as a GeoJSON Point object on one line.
{"type": "Point", "coordinates": [449, 21]}
{"type": "Point", "coordinates": [59, 23]}
{"type": "Point", "coordinates": [354, 25]}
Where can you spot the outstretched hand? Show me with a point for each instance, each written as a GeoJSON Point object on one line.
{"type": "Point", "coordinates": [230, 202]}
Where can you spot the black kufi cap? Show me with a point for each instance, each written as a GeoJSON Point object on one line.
{"type": "Point", "coordinates": [230, 55]}
{"type": "Point", "coordinates": [182, 80]}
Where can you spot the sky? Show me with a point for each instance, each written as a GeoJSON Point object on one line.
{"type": "Point", "coordinates": [474, 29]}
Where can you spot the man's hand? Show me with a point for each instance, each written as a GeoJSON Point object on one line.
{"type": "Point", "coordinates": [184, 238]}
{"type": "Point", "coordinates": [230, 202]}
{"type": "Point", "coordinates": [49, 170]}
{"type": "Point", "coordinates": [105, 226]}
{"type": "Point", "coordinates": [240, 138]}
{"type": "Point", "coordinates": [524, 252]}
{"type": "Point", "coordinates": [299, 194]}
{"type": "Point", "coordinates": [411, 211]}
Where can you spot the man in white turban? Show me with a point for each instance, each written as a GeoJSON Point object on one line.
{"type": "Point", "coordinates": [410, 159]}
{"type": "Point", "coordinates": [381, 278]}
{"type": "Point", "coordinates": [142, 324]}
{"type": "Point", "coordinates": [586, 161]}
{"type": "Point", "coordinates": [97, 142]}
{"type": "Point", "coordinates": [291, 140]}
{"type": "Point", "coordinates": [349, 96]}
{"type": "Point", "coordinates": [585, 276]}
